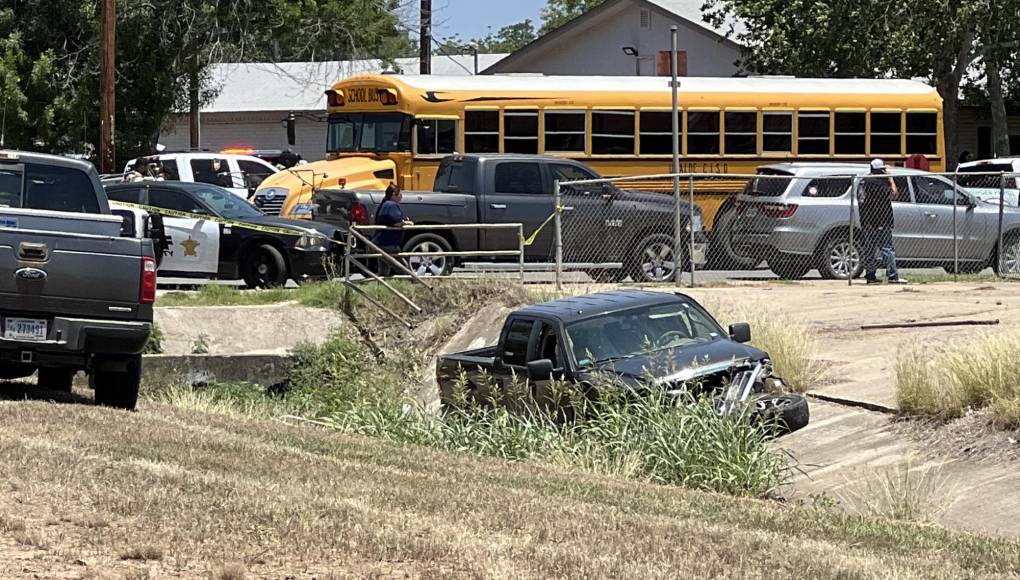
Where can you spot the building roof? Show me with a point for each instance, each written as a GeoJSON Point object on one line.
{"type": "Point", "coordinates": [755, 85]}
{"type": "Point", "coordinates": [300, 86]}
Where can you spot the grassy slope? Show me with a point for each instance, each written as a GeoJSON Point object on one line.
{"type": "Point", "coordinates": [198, 492]}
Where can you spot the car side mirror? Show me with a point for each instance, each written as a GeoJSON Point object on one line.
{"type": "Point", "coordinates": [540, 370]}
{"type": "Point", "coordinates": [740, 332]}
{"type": "Point", "coordinates": [608, 190]}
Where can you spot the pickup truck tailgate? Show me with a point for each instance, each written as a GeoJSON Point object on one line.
{"type": "Point", "coordinates": [60, 272]}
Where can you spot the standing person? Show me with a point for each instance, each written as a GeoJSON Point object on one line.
{"type": "Point", "coordinates": [877, 223]}
{"type": "Point", "coordinates": [390, 214]}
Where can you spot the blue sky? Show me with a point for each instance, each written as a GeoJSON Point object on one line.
{"type": "Point", "coordinates": [473, 18]}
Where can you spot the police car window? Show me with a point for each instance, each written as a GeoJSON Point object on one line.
{"type": "Point", "coordinates": [170, 171]}
{"type": "Point", "coordinates": [254, 173]}
{"type": "Point", "coordinates": [54, 188]}
{"type": "Point", "coordinates": [125, 194]}
{"type": "Point", "coordinates": [226, 204]}
{"type": "Point", "coordinates": [212, 171]}
{"type": "Point", "coordinates": [174, 200]}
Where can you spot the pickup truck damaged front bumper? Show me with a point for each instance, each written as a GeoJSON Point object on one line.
{"type": "Point", "coordinates": [71, 341]}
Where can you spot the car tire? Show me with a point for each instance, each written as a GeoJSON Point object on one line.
{"type": "Point", "coordinates": [724, 253]}
{"type": "Point", "coordinates": [118, 389]}
{"type": "Point", "coordinates": [790, 267]}
{"type": "Point", "coordinates": [57, 378]}
{"type": "Point", "coordinates": [835, 258]}
{"type": "Point", "coordinates": [15, 371]}
{"type": "Point", "coordinates": [427, 265]}
{"type": "Point", "coordinates": [788, 413]}
{"type": "Point", "coordinates": [652, 259]}
{"type": "Point", "coordinates": [264, 267]}
{"type": "Point", "coordinates": [1007, 260]}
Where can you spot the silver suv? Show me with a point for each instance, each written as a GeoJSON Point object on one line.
{"type": "Point", "coordinates": [796, 215]}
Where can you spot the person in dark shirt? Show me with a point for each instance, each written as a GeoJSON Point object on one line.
{"type": "Point", "coordinates": [390, 215]}
{"type": "Point", "coordinates": [877, 223]}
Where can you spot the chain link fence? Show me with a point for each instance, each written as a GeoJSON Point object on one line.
{"type": "Point", "coordinates": [790, 222]}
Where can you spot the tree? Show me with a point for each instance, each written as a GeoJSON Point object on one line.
{"type": "Point", "coordinates": [507, 39]}
{"type": "Point", "coordinates": [558, 12]}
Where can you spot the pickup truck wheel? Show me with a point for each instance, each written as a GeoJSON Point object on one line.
{"type": "Point", "coordinates": [264, 267]}
{"type": "Point", "coordinates": [56, 378]}
{"type": "Point", "coordinates": [653, 259]}
{"type": "Point", "coordinates": [788, 412]}
{"type": "Point", "coordinates": [726, 253]}
{"type": "Point", "coordinates": [429, 265]}
{"type": "Point", "coordinates": [118, 389]}
{"type": "Point", "coordinates": [11, 372]}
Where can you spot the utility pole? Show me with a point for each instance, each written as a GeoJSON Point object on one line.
{"type": "Point", "coordinates": [194, 107]}
{"type": "Point", "coordinates": [425, 38]}
{"type": "Point", "coordinates": [107, 82]}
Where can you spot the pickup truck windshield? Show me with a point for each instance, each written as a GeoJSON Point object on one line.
{"type": "Point", "coordinates": [640, 331]}
{"type": "Point", "coordinates": [226, 204]}
{"type": "Point", "coordinates": [47, 187]}
{"type": "Point", "coordinates": [369, 133]}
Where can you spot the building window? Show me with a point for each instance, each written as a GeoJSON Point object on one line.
{"type": "Point", "coordinates": [886, 129]}
{"type": "Point", "coordinates": [564, 131]}
{"type": "Point", "coordinates": [612, 132]}
{"type": "Point", "coordinates": [520, 132]}
{"type": "Point", "coordinates": [437, 136]}
{"type": "Point", "coordinates": [481, 131]}
{"type": "Point", "coordinates": [702, 133]}
{"type": "Point", "coordinates": [850, 133]}
{"type": "Point", "coordinates": [776, 132]}
{"type": "Point", "coordinates": [922, 133]}
{"type": "Point", "coordinates": [657, 132]}
{"type": "Point", "coordinates": [742, 133]}
{"type": "Point", "coordinates": [813, 133]}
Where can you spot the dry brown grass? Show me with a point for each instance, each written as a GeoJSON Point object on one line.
{"type": "Point", "coordinates": [204, 489]}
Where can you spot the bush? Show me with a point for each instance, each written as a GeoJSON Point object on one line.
{"type": "Point", "coordinates": [982, 374]}
{"type": "Point", "coordinates": [155, 342]}
{"type": "Point", "coordinates": [338, 373]}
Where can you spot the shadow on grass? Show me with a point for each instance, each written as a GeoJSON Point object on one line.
{"type": "Point", "coordinates": [28, 391]}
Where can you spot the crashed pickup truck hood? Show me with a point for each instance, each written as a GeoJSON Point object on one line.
{"type": "Point", "coordinates": [684, 363]}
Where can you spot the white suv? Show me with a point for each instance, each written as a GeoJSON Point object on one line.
{"type": "Point", "coordinates": [990, 178]}
{"type": "Point", "coordinates": [240, 174]}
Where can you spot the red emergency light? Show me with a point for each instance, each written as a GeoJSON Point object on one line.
{"type": "Point", "coordinates": [334, 98]}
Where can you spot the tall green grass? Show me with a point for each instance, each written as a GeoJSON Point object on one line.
{"type": "Point", "coordinates": [944, 383]}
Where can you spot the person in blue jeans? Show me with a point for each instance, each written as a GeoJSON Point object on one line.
{"type": "Point", "coordinates": [876, 197]}
{"type": "Point", "coordinates": [390, 214]}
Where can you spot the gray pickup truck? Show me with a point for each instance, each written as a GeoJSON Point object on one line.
{"type": "Point", "coordinates": [633, 339]}
{"type": "Point", "coordinates": [76, 288]}
{"type": "Point", "coordinates": [602, 224]}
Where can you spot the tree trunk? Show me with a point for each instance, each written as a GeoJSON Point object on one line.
{"type": "Point", "coordinates": [948, 76]}
{"type": "Point", "coordinates": [194, 107]}
{"type": "Point", "coordinates": [1000, 125]}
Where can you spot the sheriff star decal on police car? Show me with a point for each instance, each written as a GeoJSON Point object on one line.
{"type": "Point", "coordinates": [190, 246]}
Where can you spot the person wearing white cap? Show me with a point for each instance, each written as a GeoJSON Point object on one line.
{"type": "Point", "coordinates": [876, 197]}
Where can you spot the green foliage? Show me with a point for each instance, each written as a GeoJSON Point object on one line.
{"type": "Point", "coordinates": [155, 342]}
{"type": "Point", "coordinates": [338, 373]}
{"type": "Point", "coordinates": [558, 12]}
{"type": "Point", "coordinates": [507, 39]}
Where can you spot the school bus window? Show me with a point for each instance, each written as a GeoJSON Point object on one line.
{"type": "Point", "coordinates": [702, 133]}
{"type": "Point", "coordinates": [850, 133]}
{"type": "Point", "coordinates": [564, 131]}
{"type": "Point", "coordinates": [369, 132]}
{"type": "Point", "coordinates": [741, 133]}
{"type": "Point", "coordinates": [520, 132]}
{"type": "Point", "coordinates": [886, 129]}
{"type": "Point", "coordinates": [612, 132]}
{"type": "Point", "coordinates": [813, 133]}
{"type": "Point", "coordinates": [777, 132]}
{"type": "Point", "coordinates": [922, 133]}
{"type": "Point", "coordinates": [437, 136]}
{"type": "Point", "coordinates": [481, 131]}
{"type": "Point", "coordinates": [657, 132]}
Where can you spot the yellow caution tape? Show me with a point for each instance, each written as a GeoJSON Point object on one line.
{"type": "Point", "coordinates": [531, 239]}
{"type": "Point", "coordinates": [219, 220]}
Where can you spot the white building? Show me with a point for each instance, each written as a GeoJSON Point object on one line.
{"type": "Point", "coordinates": [254, 100]}
{"type": "Point", "coordinates": [625, 37]}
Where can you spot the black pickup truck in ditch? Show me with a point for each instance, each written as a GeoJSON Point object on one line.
{"type": "Point", "coordinates": [638, 340]}
{"type": "Point", "coordinates": [602, 224]}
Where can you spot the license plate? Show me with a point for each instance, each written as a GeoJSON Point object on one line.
{"type": "Point", "coordinates": [25, 329]}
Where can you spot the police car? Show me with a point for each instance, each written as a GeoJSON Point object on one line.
{"type": "Point", "coordinates": [205, 238]}
{"type": "Point", "coordinates": [236, 170]}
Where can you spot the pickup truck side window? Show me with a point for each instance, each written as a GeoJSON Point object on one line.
{"type": "Point", "coordinates": [59, 189]}
{"type": "Point", "coordinates": [10, 188]}
{"type": "Point", "coordinates": [549, 346]}
{"type": "Point", "coordinates": [515, 347]}
{"type": "Point", "coordinates": [519, 178]}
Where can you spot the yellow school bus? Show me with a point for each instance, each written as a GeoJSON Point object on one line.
{"type": "Point", "coordinates": [388, 128]}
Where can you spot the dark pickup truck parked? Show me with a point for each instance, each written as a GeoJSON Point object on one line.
{"type": "Point", "coordinates": [76, 287]}
{"type": "Point", "coordinates": [602, 223]}
{"type": "Point", "coordinates": [634, 339]}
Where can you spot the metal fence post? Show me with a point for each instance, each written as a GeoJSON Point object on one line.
{"type": "Point", "coordinates": [1002, 205]}
{"type": "Point", "coordinates": [690, 221]}
{"type": "Point", "coordinates": [956, 238]}
{"type": "Point", "coordinates": [520, 258]}
{"type": "Point", "coordinates": [850, 251]}
{"type": "Point", "coordinates": [677, 254]}
{"type": "Point", "coordinates": [558, 224]}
